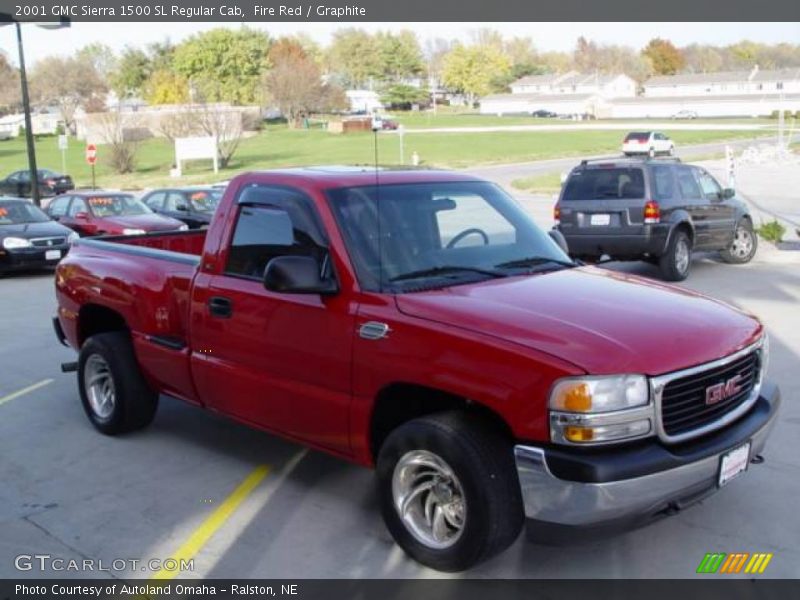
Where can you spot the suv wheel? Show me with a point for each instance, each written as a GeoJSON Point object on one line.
{"type": "Point", "coordinates": [651, 153]}
{"type": "Point", "coordinates": [675, 262]}
{"type": "Point", "coordinates": [743, 246]}
{"type": "Point", "coordinates": [449, 490]}
{"type": "Point", "coordinates": [671, 151]}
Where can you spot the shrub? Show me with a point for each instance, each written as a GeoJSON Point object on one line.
{"type": "Point", "coordinates": [772, 231]}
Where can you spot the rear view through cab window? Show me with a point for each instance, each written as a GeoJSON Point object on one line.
{"type": "Point", "coordinates": [605, 183]}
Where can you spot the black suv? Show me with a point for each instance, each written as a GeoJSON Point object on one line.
{"type": "Point", "coordinates": [658, 210]}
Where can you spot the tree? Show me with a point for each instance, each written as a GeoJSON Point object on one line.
{"type": "Point", "coordinates": [664, 57]}
{"type": "Point", "coordinates": [130, 74]}
{"type": "Point", "coordinates": [67, 83]}
{"type": "Point", "coordinates": [402, 96]}
{"type": "Point", "coordinates": [702, 58]}
{"type": "Point", "coordinates": [166, 87]}
{"type": "Point", "coordinates": [354, 56]}
{"type": "Point", "coordinates": [400, 56]}
{"type": "Point", "coordinates": [101, 57]}
{"type": "Point", "coordinates": [224, 65]}
{"type": "Point", "coordinates": [471, 69]}
{"type": "Point", "coordinates": [115, 129]}
{"type": "Point", "coordinates": [10, 95]}
{"type": "Point", "coordinates": [584, 56]}
{"type": "Point", "coordinates": [294, 84]}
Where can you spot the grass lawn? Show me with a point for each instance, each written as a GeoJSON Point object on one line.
{"type": "Point", "coordinates": [544, 183]}
{"type": "Point", "coordinates": [281, 147]}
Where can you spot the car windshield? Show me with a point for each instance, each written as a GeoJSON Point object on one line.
{"type": "Point", "coordinates": [432, 235]}
{"type": "Point", "coordinates": [13, 213]}
{"type": "Point", "coordinates": [205, 200]}
{"type": "Point", "coordinates": [604, 183]}
{"type": "Point", "coordinates": [116, 205]}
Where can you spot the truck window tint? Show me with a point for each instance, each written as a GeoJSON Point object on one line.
{"type": "Point", "coordinates": [664, 183]}
{"type": "Point", "coordinates": [603, 183]}
{"type": "Point", "coordinates": [709, 185]}
{"type": "Point", "coordinates": [284, 224]}
{"type": "Point", "coordinates": [687, 184]}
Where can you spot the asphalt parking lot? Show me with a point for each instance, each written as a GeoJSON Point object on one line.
{"type": "Point", "coordinates": [72, 493]}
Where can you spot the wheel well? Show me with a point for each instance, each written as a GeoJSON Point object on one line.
{"type": "Point", "coordinates": [684, 226]}
{"type": "Point", "coordinates": [399, 403]}
{"type": "Point", "coordinates": [94, 319]}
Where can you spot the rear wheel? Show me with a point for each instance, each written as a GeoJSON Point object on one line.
{"type": "Point", "coordinates": [743, 246]}
{"type": "Point", "coordinates": [449, 490]}
{"type": "Point", "coordinates": [675, 262]}
{"type": "Point", "coordinates": [113, 392]}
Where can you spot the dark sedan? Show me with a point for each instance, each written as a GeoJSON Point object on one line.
{"type": "Point", "coordinates": [193, 206]}
{"type": "Point", "coordinates": [28, 238]}
{"type": "Point", "coordinates": [50, 183]}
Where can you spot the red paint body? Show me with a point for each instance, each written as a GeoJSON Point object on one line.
{"type": "Point", "coordinates": [295, 364]}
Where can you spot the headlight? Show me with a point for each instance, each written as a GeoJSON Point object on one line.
{"type": "Point", "coordinates": [183, 227]}
{"type": "Point", "coordinates": [10, 243]}
{"type": "Point", "coordinates": [600, 409]}
{"type": "Point", "coordinates": [133, 232]}
{"type": "Point", "coordinates": [72, 238]}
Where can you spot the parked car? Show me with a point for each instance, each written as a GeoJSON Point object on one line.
{"type": "Point", "coordinates": [436, 334]}
{"type": "Point", "coordinates": [108, 213]}
{"type": "Point", "coordinates": [28, 238]}
{"type": "Point", "coordinates": [685, 114]}
{"type": "Point", "coordinates": [655, 210]}
{"type": "Point", "coordinates": [193, 206]}
{"type": "Point", "coordinates": [544, 114]}
{"type": "Point", "coordinates": [651, 143]}
{"type": "Point", "coordinates": [389, 124]}
{"type": "Point", "coordinates": [50, 183]}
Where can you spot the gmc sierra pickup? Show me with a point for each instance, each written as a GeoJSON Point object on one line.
{"type": "Point", "coordinates": [419, 322]}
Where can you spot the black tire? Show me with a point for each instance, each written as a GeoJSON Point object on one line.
{"type": "Point", "coordinates": [133, 403]}
{"type": "Point", "coordinates": [483, 463]}
{"type": "Point", "coordinates": [737, 253]}
{"type": "Point", "coordinates": [671, 263]}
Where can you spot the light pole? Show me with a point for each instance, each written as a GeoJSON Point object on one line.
{"type": "Point", "coordinates": [26, 103]}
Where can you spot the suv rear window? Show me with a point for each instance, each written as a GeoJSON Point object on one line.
{"type": "Point", "coordinates": [603, 184]}
{"type": "Point", "coordinates": [639, 136]}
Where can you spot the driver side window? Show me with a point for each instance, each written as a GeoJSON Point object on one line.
{"type": "Point", "coordinates": [457, 225]}
{"type": "Point", "coordinates": [711, 189]}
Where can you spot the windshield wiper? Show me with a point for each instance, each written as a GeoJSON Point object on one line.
{"type": "Point", "coordinates": [444, 270]}
{"type": "Point", "coordinates": [532, 261]}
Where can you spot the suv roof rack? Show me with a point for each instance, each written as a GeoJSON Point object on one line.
{"type": "Point", "coordinates": [586, 161]}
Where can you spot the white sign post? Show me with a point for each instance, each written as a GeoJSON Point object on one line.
{"type": "Point", "coordinates": [401, 132]}
{"type": "Point", "coordinates": [63, 144]}
{"type": "Point", "coordinates": [196, 148]}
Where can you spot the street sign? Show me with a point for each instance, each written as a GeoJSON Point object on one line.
{"type": "Point", "coordinates": [63, 142]}
{"type": "Point", "coordinates": [91, 154]}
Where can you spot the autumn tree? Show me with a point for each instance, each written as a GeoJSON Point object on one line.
{"type": "Point", "coordinates": [166, 87]}
{"type": "Point", "coordinates": [471, 70]}
{"type": "Point", "coordinates": [67, 83]}
{"type": "Point", "coordinates": [664, 57]}
{"type": "Point", "coordinates": [10, 95]}
{"type": "Point", "coordinates": [353, 55]}
{"type": "Point", "coordinates": [224, 65]}
{"type": "Point", "coordinates": [294, 83]}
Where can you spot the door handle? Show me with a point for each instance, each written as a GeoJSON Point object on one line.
{"type": "Point", "coordinates": [220, 306]}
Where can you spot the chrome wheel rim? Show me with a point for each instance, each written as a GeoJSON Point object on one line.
{"type": "Point", "coordinates": [682, 256]}
{"type": "Point", "coordinates": [429, 499]}
{"type": "Point", "coordinates": [742, 243]}
{"type": "Point", "coordinates": [99, 386]}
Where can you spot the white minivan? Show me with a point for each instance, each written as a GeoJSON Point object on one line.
{"type": "Point", "coordinates": [647, 142]}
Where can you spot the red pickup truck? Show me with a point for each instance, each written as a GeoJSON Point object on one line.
{"type": "Point", "coordinates": [419, 322]}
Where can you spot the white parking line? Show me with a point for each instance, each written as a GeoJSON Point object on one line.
{"type": "Point", "coordinates": [24, 391]}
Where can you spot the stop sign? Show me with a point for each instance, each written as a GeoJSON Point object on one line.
{"type": "Point", "coordinates": [91, 154]}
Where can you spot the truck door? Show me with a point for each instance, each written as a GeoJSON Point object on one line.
{"type": "Point", "coordinates": [721, 212]}
{"type": "Point", "coordinates": [280, 361]}
{"type": "Point", "coordinates": [696, 205]}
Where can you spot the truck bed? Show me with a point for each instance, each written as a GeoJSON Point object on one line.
{"type": "Point", "coordinates": [187, 244]}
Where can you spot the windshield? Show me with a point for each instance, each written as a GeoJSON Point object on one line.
{"type": "Point", "coordinates": [205, 200]}
{"type": "Point", "coordinates": [604, 183]}
{"type": "Point", "coordinates": [437, 234]}
{"type": "Point", "coordinates": [117, 205]}
{"type": "Point", "coordinates": [13, 213]}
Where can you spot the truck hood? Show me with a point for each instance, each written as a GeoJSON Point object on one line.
{"type": "Point", "coordinates": [34, 230]}
{"type": "Point", "coordinates": [148, 222]}
{"type": "Point", "coordinates": [601, 321]}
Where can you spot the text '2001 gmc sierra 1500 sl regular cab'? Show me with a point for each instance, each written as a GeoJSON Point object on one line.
{"type": "Point", "coordinates": [420, 323]}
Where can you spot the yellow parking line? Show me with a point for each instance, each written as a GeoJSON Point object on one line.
{"type": "Point", "coordinates": [24, 391]}
{"type": "Point", "coordinates": [209, 527]}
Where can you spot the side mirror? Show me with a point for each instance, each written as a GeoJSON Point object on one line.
{"type": "Point", "coordinates": [82, 216]}
{"type": "Point", "coordinates": [728, 193]}
{"type": "Point", "coordinates": [559, 239]}
{"type": "Point", "coordinates": [297, 275]}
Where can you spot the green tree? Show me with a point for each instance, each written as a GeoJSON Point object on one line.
{"type": "Point", "coordinates": [224, 65]}
{"type": "Point", "coordinates": [472, 69]}
{"type": "Point", "coordinates": [664, 57]}
{"type": "Point", "coordinates": [400, 56]}
{"type": "Point", "coordinates": [130, 73]}
{"type": "Point", "coordinates": [354, 57]}
{"type": "Point", "coordinates": [402, 96]}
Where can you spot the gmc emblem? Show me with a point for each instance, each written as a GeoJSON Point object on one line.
{"type": "Point", "coordinates": [722, 391]}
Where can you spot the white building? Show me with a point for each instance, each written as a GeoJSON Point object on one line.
{"type": "Point", "coordinates": [45, 123]}
{"type": "Point", "coordinates": [572, 82]}
{"type": "Point", "coordinates": [725, 83]}
{"type": "Point", "coordinates": [722, 105]}
{"type": "Point", "coordinates": [562, 104]}
{"type": "Point", "coordinates": [363, 100]}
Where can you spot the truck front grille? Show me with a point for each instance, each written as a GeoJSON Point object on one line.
{"type": "Point", "coordinates": [48, 242]}
{"type": "Point", "coordinates": [688, 403]}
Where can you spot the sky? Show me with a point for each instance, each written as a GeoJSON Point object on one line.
{"type": "Point", "coordinates": [546, 36]}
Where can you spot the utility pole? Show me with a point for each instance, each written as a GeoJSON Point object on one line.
{"type": "Point", "coordinates": [26, 103]}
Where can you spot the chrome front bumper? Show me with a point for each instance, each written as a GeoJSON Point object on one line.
{"type": "Point", "coordinates": [554, 500]}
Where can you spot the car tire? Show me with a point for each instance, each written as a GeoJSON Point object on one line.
{"type": "Point", "coordinates": [675, 263]}
{"type": "Point", "coordinates": [743, 247]}
{"type": "Point", "coordinates": [458, 481]}
{"type": "Point", "coordinates": [114, 394]}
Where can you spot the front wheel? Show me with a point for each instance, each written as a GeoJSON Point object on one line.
{"type": "Point", "coordinates": [675, 262]}
{"type": "Point", "coordinates": [743, 246]}
{"type": "Point", "coordinates": [449, 490]}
